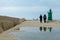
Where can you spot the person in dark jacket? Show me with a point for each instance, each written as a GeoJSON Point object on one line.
{"type": "Point", "coordinates": [44, 17]}
{"type": "Point", "coordinates": [40, 17]}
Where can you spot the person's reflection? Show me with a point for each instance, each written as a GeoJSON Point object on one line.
{"type": "Point", "coordinates": [50, 29]}
{"type": "Point", "coordinates": [40, 28]}
{"type": "Point", "coordinates": [44, 28]}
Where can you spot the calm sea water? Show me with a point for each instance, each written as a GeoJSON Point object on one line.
{"type": "Point", "coordinates": [34, 33]}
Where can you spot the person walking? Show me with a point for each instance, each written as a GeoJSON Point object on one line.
{"type": "Point", "coordinates": [40, 17]}
{"type": "Point", "coordinates": [44, 17]}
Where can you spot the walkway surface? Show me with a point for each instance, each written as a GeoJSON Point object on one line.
{"type": "Point", "coordinates": [6, 36]}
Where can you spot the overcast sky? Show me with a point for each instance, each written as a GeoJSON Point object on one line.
{"type": "Point", "coordinates": [29, 8]}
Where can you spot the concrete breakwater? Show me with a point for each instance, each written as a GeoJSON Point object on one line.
{"type": "Point", "coordinates": [8, 22]}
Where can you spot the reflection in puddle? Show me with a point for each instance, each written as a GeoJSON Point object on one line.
{"type": "Point", "coordinates": [50, 29]}
{"type": "Point", "coordinates": [40, 28]}
{"type": "Point", "coordinates": [36, 29]}
{"type": "Point", "coordinates": [45, 29]}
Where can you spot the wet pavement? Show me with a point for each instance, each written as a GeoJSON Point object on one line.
{"type": "Point", "coordinates": [37, 33]}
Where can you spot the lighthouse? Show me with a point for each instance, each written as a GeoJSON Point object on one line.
{"type": "Point", "coordinates": [50, 15]}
